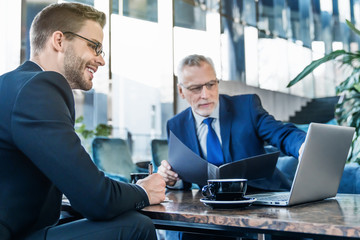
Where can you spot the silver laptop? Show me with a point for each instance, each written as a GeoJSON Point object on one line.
{"type": "Point", "coordinates": [320, 167]}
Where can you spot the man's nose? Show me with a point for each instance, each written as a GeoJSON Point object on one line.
{"type": "Point", "coordinates": [204, 92]}
{"type": "Point", "coordinates": [100, 60]}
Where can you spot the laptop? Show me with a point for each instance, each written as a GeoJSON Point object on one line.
{"type": "Point", "coordinates": [320, 167]}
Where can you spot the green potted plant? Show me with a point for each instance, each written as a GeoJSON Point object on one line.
{"type": "Point", "coordinates": [87, 135]}
{"type": "Point", "coordinates": [347, 110]}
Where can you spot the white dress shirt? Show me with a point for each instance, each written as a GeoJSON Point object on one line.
{"type": "Point", "coordinates": [202, 128]}
{"type": "Point", "coordinates": [201, 133]}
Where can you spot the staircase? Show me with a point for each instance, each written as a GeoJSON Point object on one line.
{"type": "Point", "coordinates": [320, 110]}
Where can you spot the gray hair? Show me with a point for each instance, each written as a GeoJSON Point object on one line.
{"type": "Point", "coordinates": [192, 60]}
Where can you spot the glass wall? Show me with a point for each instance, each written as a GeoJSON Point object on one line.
{"type": "Point", "coordinates": [141, 82]}
{"type": "Point", "coordinates": [263, 43]}
{"type": "Point", "coordinates": [11, 32]}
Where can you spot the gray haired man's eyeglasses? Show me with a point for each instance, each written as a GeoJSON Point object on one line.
{"type": "Point", "coordinates": [196, 89]}
{"type": "Point", "coordinates": [98, 48]}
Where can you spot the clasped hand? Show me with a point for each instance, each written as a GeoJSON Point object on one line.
{"type": "Point", "coordinates": [154, 185]}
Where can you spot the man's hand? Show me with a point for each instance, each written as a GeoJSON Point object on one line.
{"type": "Point", "coordinates": [301, 149]}
{"type": "Point", "coordinates": [169, 176]}
{"type": "Point", "coordinates": [154, 185]}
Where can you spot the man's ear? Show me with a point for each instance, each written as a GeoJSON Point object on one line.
{"type": "Point", "coordinates": [181, 93]}
{"type": "Point", "coordinates": [57, 41]}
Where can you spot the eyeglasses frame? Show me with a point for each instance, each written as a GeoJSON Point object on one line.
{"type": "Point", "coordinates": [201, 86]}
{"type": "Point", "coordinates": [96, 44]}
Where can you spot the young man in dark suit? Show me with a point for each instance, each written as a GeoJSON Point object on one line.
{"type": "Point", "coordinates": [41, 156]}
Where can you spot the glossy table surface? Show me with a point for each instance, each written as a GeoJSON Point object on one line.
{"type": "Point", "coordinates": [334, 217]}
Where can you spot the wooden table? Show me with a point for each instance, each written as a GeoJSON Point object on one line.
{"type": "Point", "coordinates": [333, 218]}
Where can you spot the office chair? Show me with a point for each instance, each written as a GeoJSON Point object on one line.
{"type": "Point", "coordinates": [112, 156]}
{"type": "Point", "coordinates": [159, 151]}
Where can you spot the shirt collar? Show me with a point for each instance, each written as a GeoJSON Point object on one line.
{"type": "Point", "coordinates": [199, 119]}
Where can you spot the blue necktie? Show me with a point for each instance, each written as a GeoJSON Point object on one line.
{"type": "Point", "coordinates": [213, 146]}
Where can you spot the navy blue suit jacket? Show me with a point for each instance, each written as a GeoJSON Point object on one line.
{"type": "Point", "coordinates": [41, 157]}
{"type": "Point", "coordinates": [244, 127]}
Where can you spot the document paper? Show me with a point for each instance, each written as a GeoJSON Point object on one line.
{"type": "Point", "coordinates": [192, 168]}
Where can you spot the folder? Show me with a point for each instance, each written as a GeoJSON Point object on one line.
{"type": "Point", "coordinates": [194, 169]}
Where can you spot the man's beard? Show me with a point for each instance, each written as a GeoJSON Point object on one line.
{"type": "Point", "coordinates": [74, 71]}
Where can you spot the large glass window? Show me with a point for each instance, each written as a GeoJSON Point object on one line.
{"type": "Point", "coordinates": [306, 19]}
{"type": "Point", "coordinates": [190, 14]}
{"type": "Point", "coordinates": [142, 77]}
{"type": "Point", "coordinates": [141, 9]}
{"type": "Point", "coordinates": [251, 56]}
{"type": "Point", "coordinates": [263, 43]}
{"type": "Point", "coordinates": [10, 40]}
{"type": "Point", "coordinates": [190, 39]}
{"type": "Point", "coordinates": [273, 64]}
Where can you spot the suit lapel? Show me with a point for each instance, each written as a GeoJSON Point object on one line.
{"type": "Point", "coordinates": [187, 132]}
{"type": "Point", "coordinates": [191, 137]}
{"type": "Point", "coordinates": [225, 127]}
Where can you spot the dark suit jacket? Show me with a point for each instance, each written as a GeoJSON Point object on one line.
{"type": "Point", "coordinates": [244, 126]}
{"type": "Point", "coordinates": [41, 157]}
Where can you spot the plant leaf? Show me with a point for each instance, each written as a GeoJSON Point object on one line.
{"type": "Point", "coordinates": [79, 119]}
{"type": "Point", "coordinates": [314, 64]}
{"type": "Point", "coordinates": [352, 27]}
{"type": "Point", "coordinates": [357, 87]}
{"type": "Point", "coordinates": [103, 130]}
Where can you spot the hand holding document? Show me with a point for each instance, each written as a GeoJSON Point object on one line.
{"type": "Point", "coordinates": [192, 168]}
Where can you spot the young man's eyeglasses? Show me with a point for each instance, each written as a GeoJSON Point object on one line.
{"type": "Point", "coordinates": [98, 48]}
{"type": "Point", "coordinates": [198, 88]}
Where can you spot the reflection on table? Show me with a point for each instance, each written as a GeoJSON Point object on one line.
{"type": "Point", "coordinates": [330, 218]}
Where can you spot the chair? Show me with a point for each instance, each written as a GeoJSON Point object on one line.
{"type": "Point", "coordinates": [350, 180]}
{"type": "Point", "coordinates": [112, 156]}
{"type": "Point", "coordinates": [159, 151]}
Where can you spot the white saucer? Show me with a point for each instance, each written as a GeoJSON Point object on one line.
{"type": "Point", "coordinates": [228, 204]}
